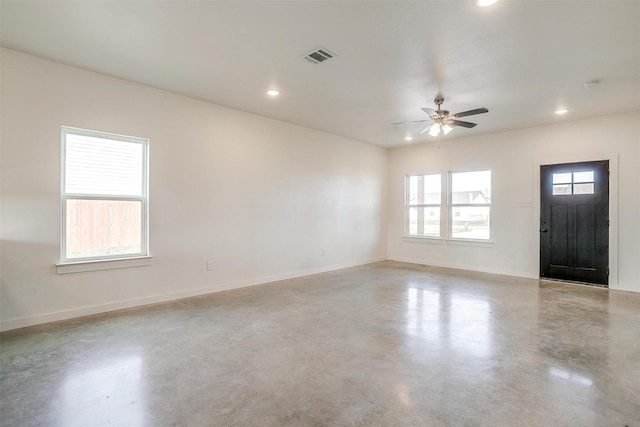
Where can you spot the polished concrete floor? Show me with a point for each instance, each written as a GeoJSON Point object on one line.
{"type": "Point", "coordinates": [386, 344]}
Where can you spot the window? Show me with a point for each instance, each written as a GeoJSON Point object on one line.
{"type": "Point", "coordinates": [423, 198]}
{"type": "Point", "coordinates": [568, 183]}
{"type": "Point", "coordinates": [104, 196]}
{"type": "Point", "coordinates": [470, 205]}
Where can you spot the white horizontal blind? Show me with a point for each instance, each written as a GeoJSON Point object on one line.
{"type": "Point", "coordinates": [101, 166]}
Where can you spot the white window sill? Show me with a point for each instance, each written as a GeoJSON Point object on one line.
{"type": "Point", "coordinates": [469, 242]}
{"type": "Point", "coordinates": [423, 239]}
{"type": "Point", "coordinates": [104, 264]}
{"type": "Point", "coordinates": [453, 242]}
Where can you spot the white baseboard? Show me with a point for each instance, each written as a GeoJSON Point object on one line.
{"type": "Point", "coordinates": [22, 322]}
{"type": "Point", "coordinates": [459, 266]}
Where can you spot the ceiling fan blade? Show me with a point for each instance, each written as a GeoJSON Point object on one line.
{"type": "Point", "coordinates": [461, 123]}
{"type": "Point", "coordinates": [424, 130]}
{"type": "Point", "coordinates": [411, 121]}
{"type": "Point", "coordinates": [470, 112]}
{"type": "Point", "coordinates": [431, 112]}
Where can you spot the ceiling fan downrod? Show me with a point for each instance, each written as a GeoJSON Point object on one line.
{"type": "Point", "coordinates": [438, 101]}
{"type": "Point", "coordinates": [442, 114]}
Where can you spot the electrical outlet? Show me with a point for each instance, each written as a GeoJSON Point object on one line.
{"type": "Point", "coordinates": [209, 265]}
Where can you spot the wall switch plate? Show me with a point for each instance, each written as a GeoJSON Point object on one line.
{"type": "Point", "coordinates": [324, 251]}
{"type": "Point", "coordinates": [526, 203]}
{"type": "Point", "coordinates": [209, 265]}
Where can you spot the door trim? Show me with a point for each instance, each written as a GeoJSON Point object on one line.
{"type": "Point", "coordinates": [613, 206]}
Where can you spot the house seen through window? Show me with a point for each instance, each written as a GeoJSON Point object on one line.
{"type": "Point", "coordinates": [468, 203]}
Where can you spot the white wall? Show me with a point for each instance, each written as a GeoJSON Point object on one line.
{"type": "Point", "coordinates": [258, 197]}
{"type": "Point", "coordinates": [514, 159]}
{"type": "Point", "coordinates": [262, 198]}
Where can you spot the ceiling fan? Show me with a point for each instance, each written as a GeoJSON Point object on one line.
{"type": "Point", "coordinates": [443, 121]}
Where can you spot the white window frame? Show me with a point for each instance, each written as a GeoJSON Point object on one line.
{"type": "Point", "coordinates": [408, 207]}
{"type": "Point", "coordinates": [143, 199]}
{"type": "Point", "coordinates": [451, 206]}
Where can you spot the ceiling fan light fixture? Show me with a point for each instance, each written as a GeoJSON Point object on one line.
{"type": "Point", "coordinates": [442, 121]}
{"type": "Point", "coordinates": [434, 130]}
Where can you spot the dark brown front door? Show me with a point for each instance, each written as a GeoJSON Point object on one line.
{"type": "Point", "coordinates": [574, 222]}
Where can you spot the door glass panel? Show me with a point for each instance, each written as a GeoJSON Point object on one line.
{"type": "Point", "coordinates": [562, 178]}
{"type": "Point", "coordinates": [586, 188]}
{"type": "Point", "coordinates": [583, 176]}
{"type": "Point", "coordinates": [562, 189]}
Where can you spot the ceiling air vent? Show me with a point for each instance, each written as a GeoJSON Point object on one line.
{"type": "Point", "coordinates": [319, 55]}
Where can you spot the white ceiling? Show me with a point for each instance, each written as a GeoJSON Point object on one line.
{"type": "Point", "coordinates": [520, 59]}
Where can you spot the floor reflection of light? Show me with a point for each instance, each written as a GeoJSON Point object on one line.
{"type": "Point", "coordinates": [470, 325]}
{"type": "Point", "coordinates": [570, 376]}
{"type": "Point", "coordinates": [460, 320]}
{"type": "Point", "coordinates": [402, 392]}
{"type": "Point", "coordinates": [423, 312]}
{"type": "Point", "coordinates": [107, 393]}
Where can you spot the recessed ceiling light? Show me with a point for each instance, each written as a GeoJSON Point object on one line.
{"type": "Point", "coordinates": [561, 111]}
{"type": "Point", "coordinates": [485, 3]}
{"type": "Point", "coordinates": [408, 138]}
{"type": "Point", "coordinates": [273, 92]}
